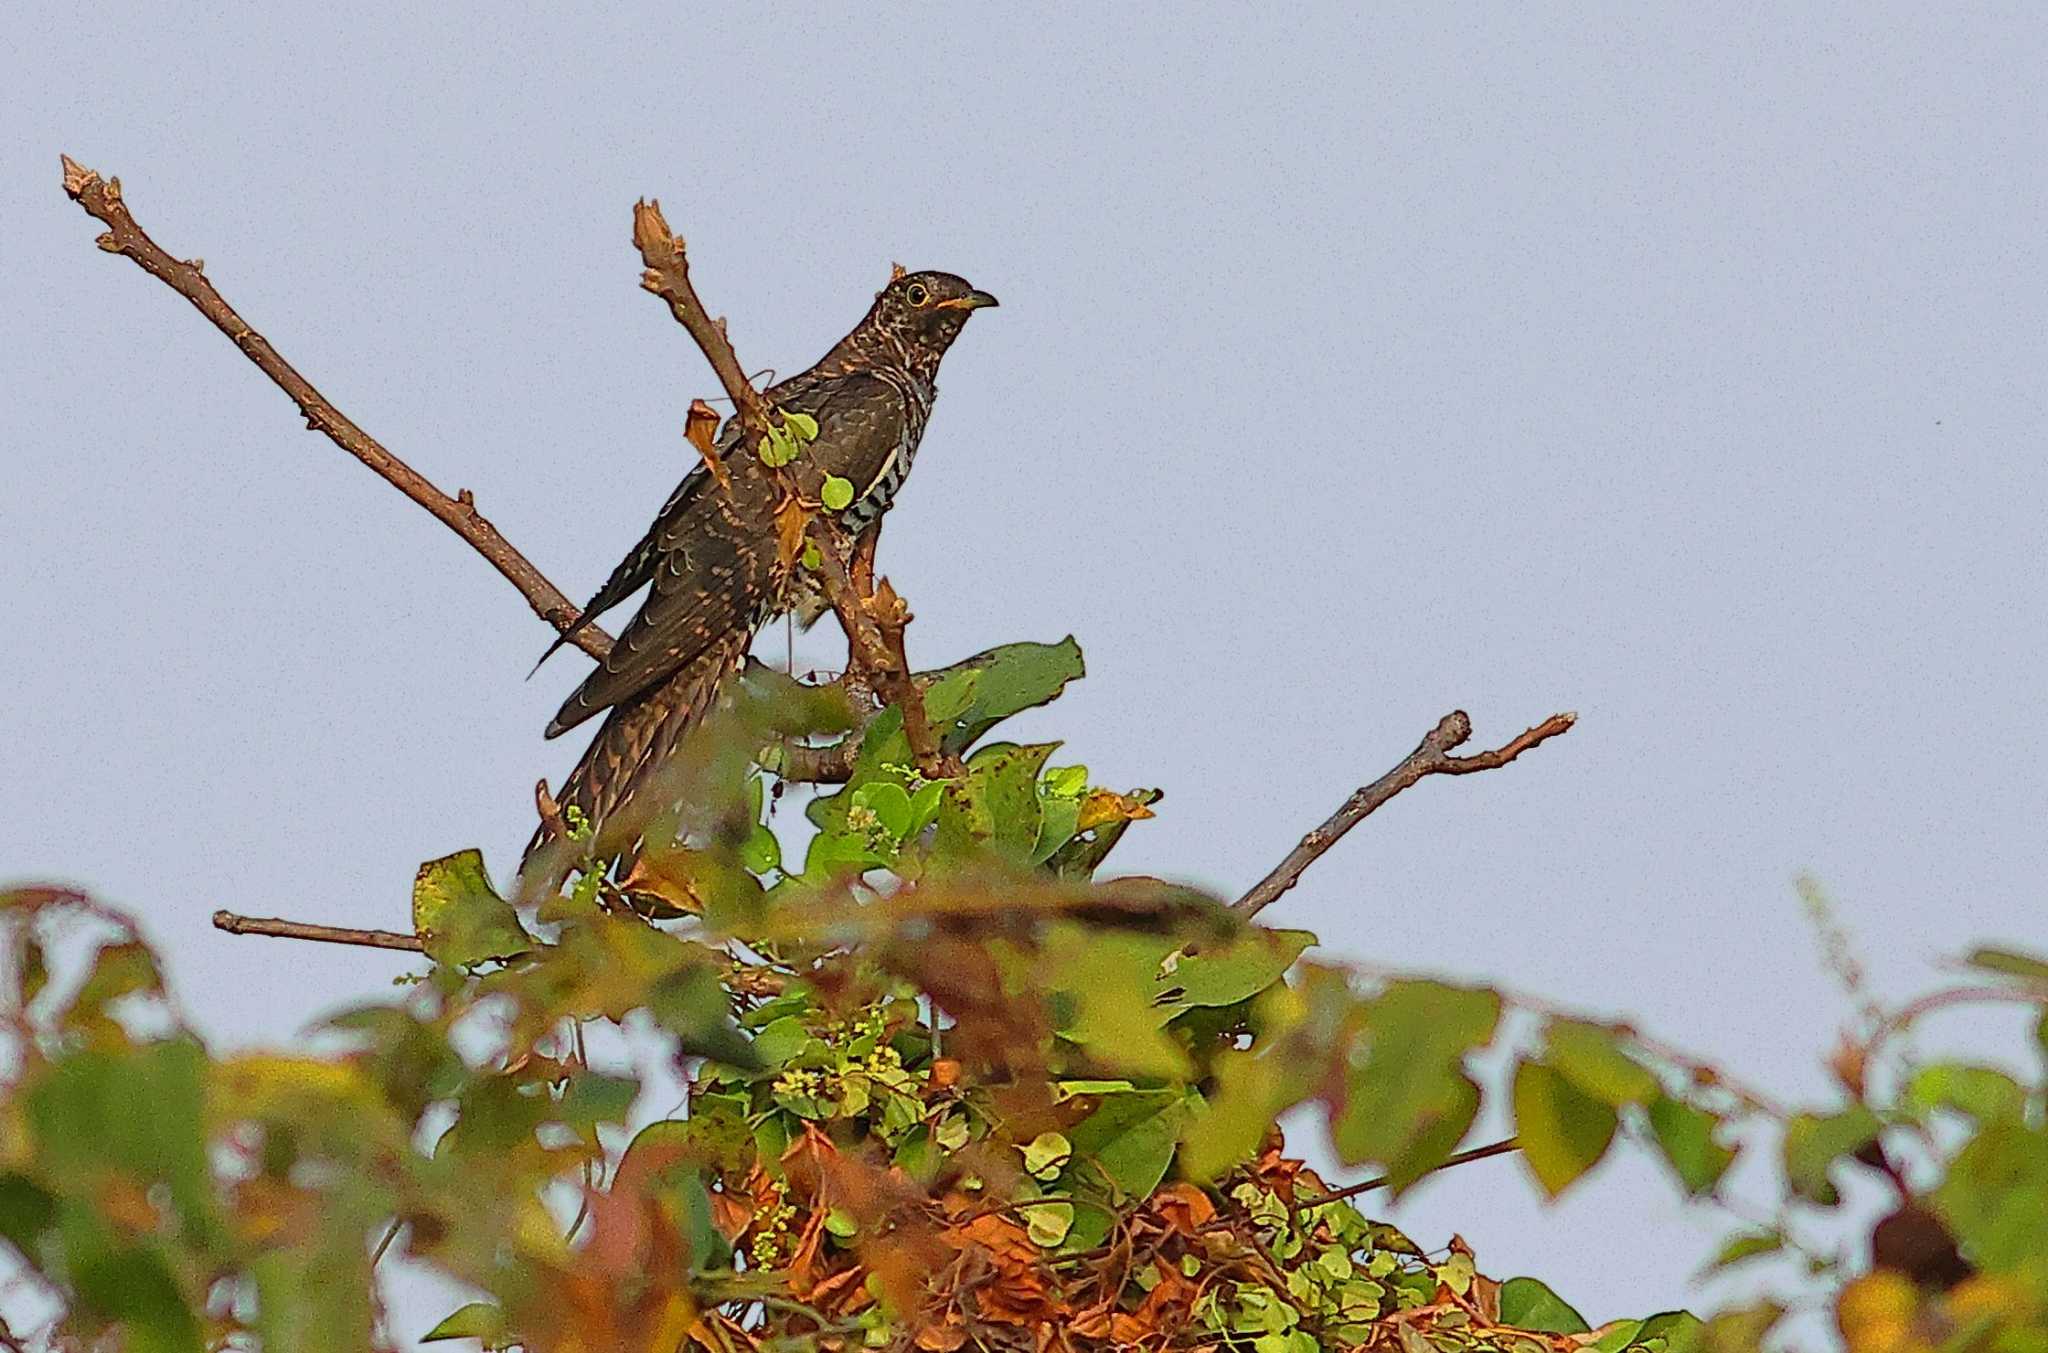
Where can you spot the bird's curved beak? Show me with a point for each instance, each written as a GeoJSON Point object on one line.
{"type": "Point", "coordinates": [973, 300]}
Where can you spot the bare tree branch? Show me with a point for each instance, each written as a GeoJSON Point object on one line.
{"type": "Point", "coordinates": [102, 200]}
{"type": "Point", "coordinates": [306, 930]}
{"type": "Point", "coordinates": [1431, 757]}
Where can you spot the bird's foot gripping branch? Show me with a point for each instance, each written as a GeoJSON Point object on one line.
{"type": "Point", "coordinates": [944, 1086]}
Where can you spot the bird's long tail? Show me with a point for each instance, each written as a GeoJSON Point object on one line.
{"type": "Point", "coordinates": [616, 785]}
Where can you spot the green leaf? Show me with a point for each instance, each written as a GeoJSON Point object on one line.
{"type": "Point", "coordinates": [131, 1284]}
{"type": "Point", "coordinates": [1564, 1131]}
{"type": "Point", "coordinates": [1046, 1154]}
{"type": "Point", "coordinates": [117, 970]}
{"type": "Point", "coordinates": [1002, 783]}
{"type": "Point", "coordinates": [889, 802]}
{"type": "Point", "coordinates": [1244, 1094]}
{"type": "Point", "coordinates": [1408, 1102]}
{"type": "Point", "coordinates": [837, 493]}
{"type": "Point", "coordinates": [478, 1320]}
{"type": "Point", "coordinates": [1528, 1304]}
{"type": "Point", "coordinates": [1224, 974]}
{"type": "Point", "coordinates": [1996, 1194]}
{"type": "Point", "coordinates": [140, 1111]}
{"type": "Point", "coordinates": [1686, 1137]}
{"type": "Point", "coordinates": [1131, 1138]}
{"type": "Point", "coordinates": [781, 1040]}
{"type": "Point", "coordinates": [26, 1211]}
{"type": "Point", "coordinates": [1079, 857]}
{"type": "Point", "coordinates": [1590, 1057]}
{"type": "Point", "coordinates": [1748, 1245]}
{"type": "Point", "coordinates": [802, 425]}
{"type": "Point", "coordinates": [1672, 1331]}
{"type": "Point", "coordinates": [761, 852]}
{"type": "Point", "coordinates": [1067, 782]}
{"type": "Point", "coordinates": [2011, 963]}
{"type": "Point", "coordinates": [1047, 1223]}
{"type": "Point", "coordinates": [595, 1098]}
{"type": "Point", "coordinates": [1981, 1092]}
{"type": "Point", "coordinates": [839, 844]}
{"type": "Point", "coordinates": [460, 917]}
{"type": "Point", "coordinates": [978, 694]}
{"type": "Point", "coordinates": [316, 1297]}
{"type": "Point", "coordinates": [1618, 1335]}
{"type": "Point", "coordinates": [1057, 818]}
{"type": "Point", "coordinates": [1107, 980]}
{"type": "Point", "coordinates": [1814, 1143]}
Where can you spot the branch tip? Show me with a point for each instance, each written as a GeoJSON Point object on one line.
{"type": "Point", "coordinates": [77, 178]}
{"type": "Point", "coordinates": [1431, 757]}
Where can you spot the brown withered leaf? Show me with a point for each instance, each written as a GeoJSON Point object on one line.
{"type": "Point", "coordinates": [700, 430]}
{"type": "Point", "coordinates": [660, 885]}
{"type": "Point", "coordinates": [791, 517]}
{"type": "Point", "coordinates": [944, 1336]}
{"type": "Point", "coordinates": [1184, 1207]}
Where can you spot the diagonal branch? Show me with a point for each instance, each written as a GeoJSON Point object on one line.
{"type": "Point", "coordinates": [102, 200]}
{"type": "Point", "coordinates": [1431, 757]}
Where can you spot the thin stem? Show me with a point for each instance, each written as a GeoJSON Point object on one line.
{"type": "Point", "coordinates": [278, 928]}
{"type": "Point", "coordinates": [1487, 1152]}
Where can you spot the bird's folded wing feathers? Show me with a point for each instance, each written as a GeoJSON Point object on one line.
{"type": "Point", "coordinates": [712, 554]}
{"type": "Point", "coordinates": [636, 570]}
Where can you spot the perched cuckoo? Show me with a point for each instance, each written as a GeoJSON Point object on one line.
{"type": "Point", "coordinates": [712, 554]}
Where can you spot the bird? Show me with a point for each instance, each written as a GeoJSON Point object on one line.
{"type": "Point", "coordinates": [712, 556]}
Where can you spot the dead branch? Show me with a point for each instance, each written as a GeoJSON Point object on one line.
{"type": "Point", "coordinates": [281, 929]}
{"type": "Point", "coordinates": [1431, 757]}
{"type": "Point", "coordinates": [102, 200]}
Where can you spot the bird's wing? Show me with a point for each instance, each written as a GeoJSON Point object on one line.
{"type": "Point", "coordinates": [636, 570]}
{"type": "Point", "coordinates": [714, 563]}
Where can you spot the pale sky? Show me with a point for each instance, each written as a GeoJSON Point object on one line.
{"type": "Point", "coordinates": [1683, 370]}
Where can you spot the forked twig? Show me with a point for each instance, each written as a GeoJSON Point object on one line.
{"type": "Point", "coordinates": [1431, 757]}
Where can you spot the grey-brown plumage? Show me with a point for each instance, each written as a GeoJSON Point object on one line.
{"type": "Point", "coordinates": [711, 556]}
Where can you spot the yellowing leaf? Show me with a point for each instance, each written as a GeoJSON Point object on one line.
{"type": "Point", "coordinates": [1103, 806]}
{"type": "Point", "coordinates": [1563, 1130]}
{"type": "Point", "coordinates": [459, 916]}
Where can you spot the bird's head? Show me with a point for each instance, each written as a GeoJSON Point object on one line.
{"type": "Point", "coordinates": [926, 310]}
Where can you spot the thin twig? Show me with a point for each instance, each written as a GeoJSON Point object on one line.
{"type": "Point", "coordinates": [278, 928]}
{"type": "Point", "coordinates": [102, 200]}
{"type": "Point", "coordinates": [668, 276]}
{"type": "Point", "coordinates": [1491, 1149]}
{"type": "Point", "coordinates": [1431, 757]}
{"type": "Point", "coordinates": [1899, 1020]}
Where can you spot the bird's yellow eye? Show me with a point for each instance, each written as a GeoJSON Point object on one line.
{"type": "Point", "coordinates": [916, 294]}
